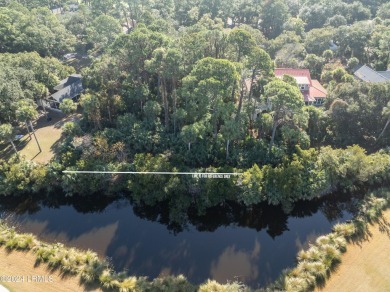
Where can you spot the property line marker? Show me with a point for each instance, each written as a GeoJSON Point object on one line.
{"type": "Point", "coordinates": [194, 174]}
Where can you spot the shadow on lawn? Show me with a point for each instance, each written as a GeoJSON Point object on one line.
{"type": "Point", "coordinates": [384, 226]}
{"type": "Point", "coordinates": [51, 120]}
{"type": "Point", "coordinates": [6, 150]}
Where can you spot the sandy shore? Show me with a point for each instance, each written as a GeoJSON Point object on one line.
{"type": "Point", "coordinates": [365, 266]}
{"type": "Point", "coordinates": [18, 274]}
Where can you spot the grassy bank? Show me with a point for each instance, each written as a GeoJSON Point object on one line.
{"type": "Point", "coordinates": [316, 264]}
{"type": "Point", "coordinates": [36, 278]}
{"type": "Point", "coordinates": [90, 269]}
{"type": "Point", "coordinates": [366, 265]}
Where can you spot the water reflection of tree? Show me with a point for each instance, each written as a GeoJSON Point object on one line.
{"type": "Point", "coordinates": [336, 204]}
{"type": "Point", "coordinates": [181, 209]}
{"type": "Point", "coordinates": [32, 204]}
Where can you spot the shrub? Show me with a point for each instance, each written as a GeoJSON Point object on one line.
{"type": "Point", "coordinates": [213, 286]}
{"type": "Point", "coordinates": [315, 263]}
{"type": "Point", "coordinates": [345, 229]}
{"type": "Point", "coordinates": [71, 129]}
{"type": "Point", "coordinates": [173, 284]}
{"type": "Point", "coordinates": [295, 284]}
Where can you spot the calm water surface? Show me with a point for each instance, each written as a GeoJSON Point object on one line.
{"type": "Point", "coordinates": [227, 243]}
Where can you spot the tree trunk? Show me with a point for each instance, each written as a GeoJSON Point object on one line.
{"type": "Point", "coordinates": [14, 147]}
{"type": "Point", "coordinates": [251, 116]}
{"type": "Point", "coordinates": [227, 149]}
{"type": "Point", "coordinates": [174, 104]}
{"type": "Point", "coordinates": [162, 90]}
{"type": "Point", "coordinates": [28, 130]}
{"type": "Point", "coordinates": [384, 129]}
{"type": "Point", "coordinates": [189, 146]}
{"type": "Point", "coordinates": [241, 99]}
{"type": "Point", "coordinates": [273, 136]}
{"type": "Point", "coordinates": [166, 104]}
{"type": "Point", "coordinates": [109, 113]}
{"type": "Point", "coordinates": [44, 109]}
{"type": "Point", "coordinates": [215, 127]}
{"type": "Point", "coordinates": [33, 131]}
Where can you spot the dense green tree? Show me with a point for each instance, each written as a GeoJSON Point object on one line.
{"type": "Point", "coordinates": [317, 125]}
{"type": "Point", "coordinates": [318, 40]}
{"type": "Point", "coordinates": [231, 130]}
{"type": "Point", "coordinates": [286, 102]}
{"type": "Point", "coordinates": [26, 76]}
{"type": "Point", "coordinates": [295, 25]}
{"type": "Point", "coordinates": [7, 135]}
{"type": "Point", "coordinates": [327, 55]}
{"type": "Point", "coordinates": [103, 30]}
{"type": "Point", "coordinates": [190, 133]}
{"type": "Point", "coordinates": [385, 114]}
{"type": "Point", "coordinates": [379, 47]}
{"type": "Point", "coordinates": [25, 113]}
{"type": "Point", "coordinates": [301, 177]}
{"type": "Point", "coordinates": [152, 110]}
{"type": "Point", "coordinates": [167, 65]}
{"type": "Point", "coordinates": [252, 180]}
{"type": "Point", "coordinates": [336, 21]}
{"type": "Point", "coordinates": [71, 129]}
{"type": "Point", "coordinates": [261, 68]}
{"type": "Point", "coordinates": [208, 90]}
{"type": "Point", "coordinates": [68, 106]}
{"type": "Point", "coordinates": [77, 23]}
{"type": "Point", "coordinates": [242, 43]}
{"type": "Point", "coordinates": [91, 109]}
{"type": "Point", "coordinates": [273, 15]}
{"type": "Point", "coordinates": [315, 64]}
{"type": "Point", "coordinates": [36, 30]}
{"type": "Point", "coordinates": [352, 40]}
{"type": "Point", "coordinates": [315, 15]}
{"type": "Point", "coordinates": [384, 11]}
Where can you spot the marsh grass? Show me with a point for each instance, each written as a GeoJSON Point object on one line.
{"type": "Point", "coordinates": [214, 286]}
{"type": "Point", "coordinates": [315, 264]}
{"type": "Point", "coordinates": [86, 264]}
{"type": "Point", "coordinates": [345, 229]}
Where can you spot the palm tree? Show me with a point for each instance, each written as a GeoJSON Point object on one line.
{"type": "Point", "coordinates": [7, 134]}
{"type": "Point", "coordinates": [386, 114]}
{"type": "Point", "coordinates": [25, 113]}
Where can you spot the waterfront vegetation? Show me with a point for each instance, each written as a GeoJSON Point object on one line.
{"type": "Point", "coordinates": [189, 86]}
{"type": "Point", "coordinates": [92, 269]}
{"type": "Point", "coordinates": [314, 265]}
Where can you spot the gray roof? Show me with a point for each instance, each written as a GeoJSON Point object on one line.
{"type": "Point", "coordinates": [70, 91]}
{"type": "Point", "coordinates": [68, 81]}
{"type": "Point", "coordinates": [385, 74]}
{"type": "Point", "coordinates": [367, 74]}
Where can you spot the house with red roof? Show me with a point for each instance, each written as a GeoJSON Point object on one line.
{"type": "Point", "coordinates": [312, 91]}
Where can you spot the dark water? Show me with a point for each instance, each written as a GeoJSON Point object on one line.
{"type": "Point", "coordinates": [228, 242]}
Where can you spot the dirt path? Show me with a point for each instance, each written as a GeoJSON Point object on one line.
{"type": "Point", "coordinates": [365, 266]}
{"type": "Point", "coordinates": [20, 266]}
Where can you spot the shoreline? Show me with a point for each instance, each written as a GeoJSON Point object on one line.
{"type": "Point", "coordinates": [365, 265]}
{"type": "Point", "coordinates": [21, 273]}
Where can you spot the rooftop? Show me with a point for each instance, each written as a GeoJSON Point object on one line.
{"type": "Point", "coordinates": [68, 81]}
{"type": "Point", "coordinates": [302, 76]}
{"type": "Point", "coordinates": [385, 74]}
{"type": "Point", "coordinates": [367, 74]}
{"type": "Point", "coordinates": [302, 80]}
{"type": "Point", "coordinates": [69, 91]}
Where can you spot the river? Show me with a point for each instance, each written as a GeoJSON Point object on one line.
{"type": "Point", "coordinates": [227, 243]}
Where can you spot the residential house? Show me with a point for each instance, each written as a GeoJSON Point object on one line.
{"type": "Point", "coordinates": [71, 87]}
{"type": "Point", "coordinates": [365, 73]}
{"type": "Point", "coordinates": [313, 92]}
